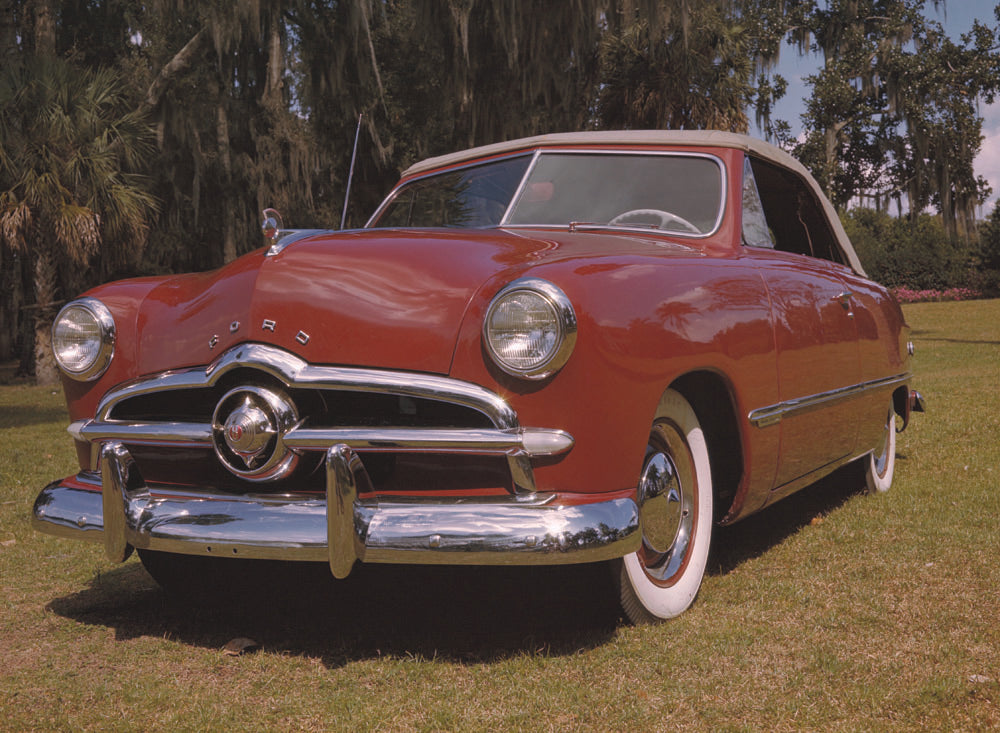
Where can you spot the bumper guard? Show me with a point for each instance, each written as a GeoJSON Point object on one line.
{"type": "Point", "coordinates": [340, 529]}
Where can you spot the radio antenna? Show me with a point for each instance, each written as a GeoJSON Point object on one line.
{"type": "Point", "coordinates": [350, 175]}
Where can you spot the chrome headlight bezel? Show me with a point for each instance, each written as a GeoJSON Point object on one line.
{"type": "Point", "coordinates": [563, 325]}
{"type": "Point", "coordinates": [104, 341]}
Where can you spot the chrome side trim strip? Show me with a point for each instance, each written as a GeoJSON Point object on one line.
{"type": "Point", "coordinates": [339, 529]}
{"type": "Point", "coordinates": [766, 416]}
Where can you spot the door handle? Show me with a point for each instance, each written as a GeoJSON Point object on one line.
{"type": "Point", "coordinates": [845, 300]}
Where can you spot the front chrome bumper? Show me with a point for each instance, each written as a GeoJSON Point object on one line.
{"type": "Point", "coordinates": [339, 528]}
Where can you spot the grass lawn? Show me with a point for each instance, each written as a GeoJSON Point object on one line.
{"type": "Point", "coordinates": [831, 611]}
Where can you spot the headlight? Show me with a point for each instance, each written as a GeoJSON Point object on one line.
{"type": "Point", "coordinates": [530, 329]}
{"type": "Point", "coordinates": [83, 339]}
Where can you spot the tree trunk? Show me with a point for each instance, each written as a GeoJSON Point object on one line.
{"type": "Point", "coordinates": [831, 140]}
{"type": "Point", "coordinates": [222, 140]}
{"type": "Point", "coordinates": [10, 301]}
{"type": "Point", "coordinates": [9, 52]}
{"type": "Point", "coordinates": [46, 278]}
{"type": "Point", "coordinates": [181, 61]}
{"type": "Point", "coordinates": [947, 201]}
{"type": "Point", "coordinates": [275, 66]}
{"type": "Point", "coordinates": [45, 28]}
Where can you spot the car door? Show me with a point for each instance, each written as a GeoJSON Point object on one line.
{"type": "Point", "coordinates": [816, 337]}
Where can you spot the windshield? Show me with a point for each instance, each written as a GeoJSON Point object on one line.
{"type": "Point", "coordinates": [476, 196]}
{"type": "Point", "coordinates": [667, 191]}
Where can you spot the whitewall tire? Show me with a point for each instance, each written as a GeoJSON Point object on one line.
{"type": "Point", "coordinates": [661, 579]}
{"type": "Point", "coordinates": [881, 464]}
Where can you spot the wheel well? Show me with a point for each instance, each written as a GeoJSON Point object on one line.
{"type": "Point", "coordinates": [712, 401]}
{"type": "Point", "coordinates": [901, 401]}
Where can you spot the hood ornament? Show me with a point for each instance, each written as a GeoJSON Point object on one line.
{"type": "Point", "coordinates": [272, 224]}
{"type": "Point", "coordinates": [279, 237]}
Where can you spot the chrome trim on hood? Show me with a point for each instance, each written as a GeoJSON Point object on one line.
{"type": "Point", "coordinates": [290, 236]}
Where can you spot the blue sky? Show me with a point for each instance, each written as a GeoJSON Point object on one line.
{"type": "Point", "coordinates": [956, 16]}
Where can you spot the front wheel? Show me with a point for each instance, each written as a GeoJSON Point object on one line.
{"type": "Point", "coordinates": [661, 579]}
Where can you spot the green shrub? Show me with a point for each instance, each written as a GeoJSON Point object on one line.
{"type": "Point", "coordinates": [909, 253]}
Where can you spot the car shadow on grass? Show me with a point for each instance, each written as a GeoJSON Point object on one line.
{"type": "Point", "coordinates": [461, 614]}
{"type": "Point", "coordinates": [464, 614]}
{"type": "Point", "coordinates": [735, 544]}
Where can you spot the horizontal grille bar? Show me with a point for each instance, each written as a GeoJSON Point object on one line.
{"type": "Point", "coordinates": [536, 442]}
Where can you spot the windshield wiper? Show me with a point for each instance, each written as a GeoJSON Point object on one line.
{"type": "Point", "coordinates": [582, 225]}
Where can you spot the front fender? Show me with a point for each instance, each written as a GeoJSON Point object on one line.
{"type": "Point", "coordinates": [642, 324]}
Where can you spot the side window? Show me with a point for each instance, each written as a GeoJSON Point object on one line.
{"type": "Point", "coordinates": [755, 230]}
{"type": "Point", "coordinates": [796, 219]}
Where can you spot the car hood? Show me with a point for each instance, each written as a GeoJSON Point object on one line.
{"type": "Point", "coordinates": [392, 299]}
{"type": "Point", "coordinates": [388, 299]}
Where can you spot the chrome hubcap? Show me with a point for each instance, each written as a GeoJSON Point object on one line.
{"type": "Point", "coordinates": [661, 503]}
{"type": "Point", "coordinates": [666, 505]}
{"type": "Point", "coordinates": [248, 428]}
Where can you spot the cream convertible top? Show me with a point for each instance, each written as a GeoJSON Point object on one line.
{"type": "Point", "coordinates": [706, 138]}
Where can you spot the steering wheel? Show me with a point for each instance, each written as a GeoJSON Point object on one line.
{"type": "Point", "coordinates": [665, 217]}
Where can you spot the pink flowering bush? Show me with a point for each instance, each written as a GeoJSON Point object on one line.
{"type": "Point", "coordinates": [907, 295]}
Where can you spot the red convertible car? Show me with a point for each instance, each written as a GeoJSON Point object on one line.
{"type": "Point", "coordinates": [569, 348]}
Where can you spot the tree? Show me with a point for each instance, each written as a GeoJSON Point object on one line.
{"type": "Point", "coordinates": [848, 115]}
{"type": "Point", "coordinates": [988, 254]}
{"type": "Point", "coordinates": [940, 88]}
{"type": "Point", "coordinates": [893, 109]}
{"type": "Point", "coordinates": [441, 75]}
{"type": "Point", "coordinates": [68, 190]}
{"type": "Point", "coordinates": [697, 67]}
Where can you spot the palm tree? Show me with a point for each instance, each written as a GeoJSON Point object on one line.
{"type": "Point", "coordinates": [70, 146]}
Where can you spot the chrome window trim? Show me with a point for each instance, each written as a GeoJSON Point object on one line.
{"type": "Point", "coordinates": [475, 163]}
{"type": "Point", "coordinates": [587, 226]}
{"type": "Point", "coordinates": [520, 188]}
{"type": "Point", "coordinates": [763, 417]}
{"type": "Point", "coordinates": [537, 153]}
{"type": "Point", "coordinates": [748, 177]}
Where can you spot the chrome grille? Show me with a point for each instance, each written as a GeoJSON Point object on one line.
{"type": "Point", "coordinates": [415, 432]}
